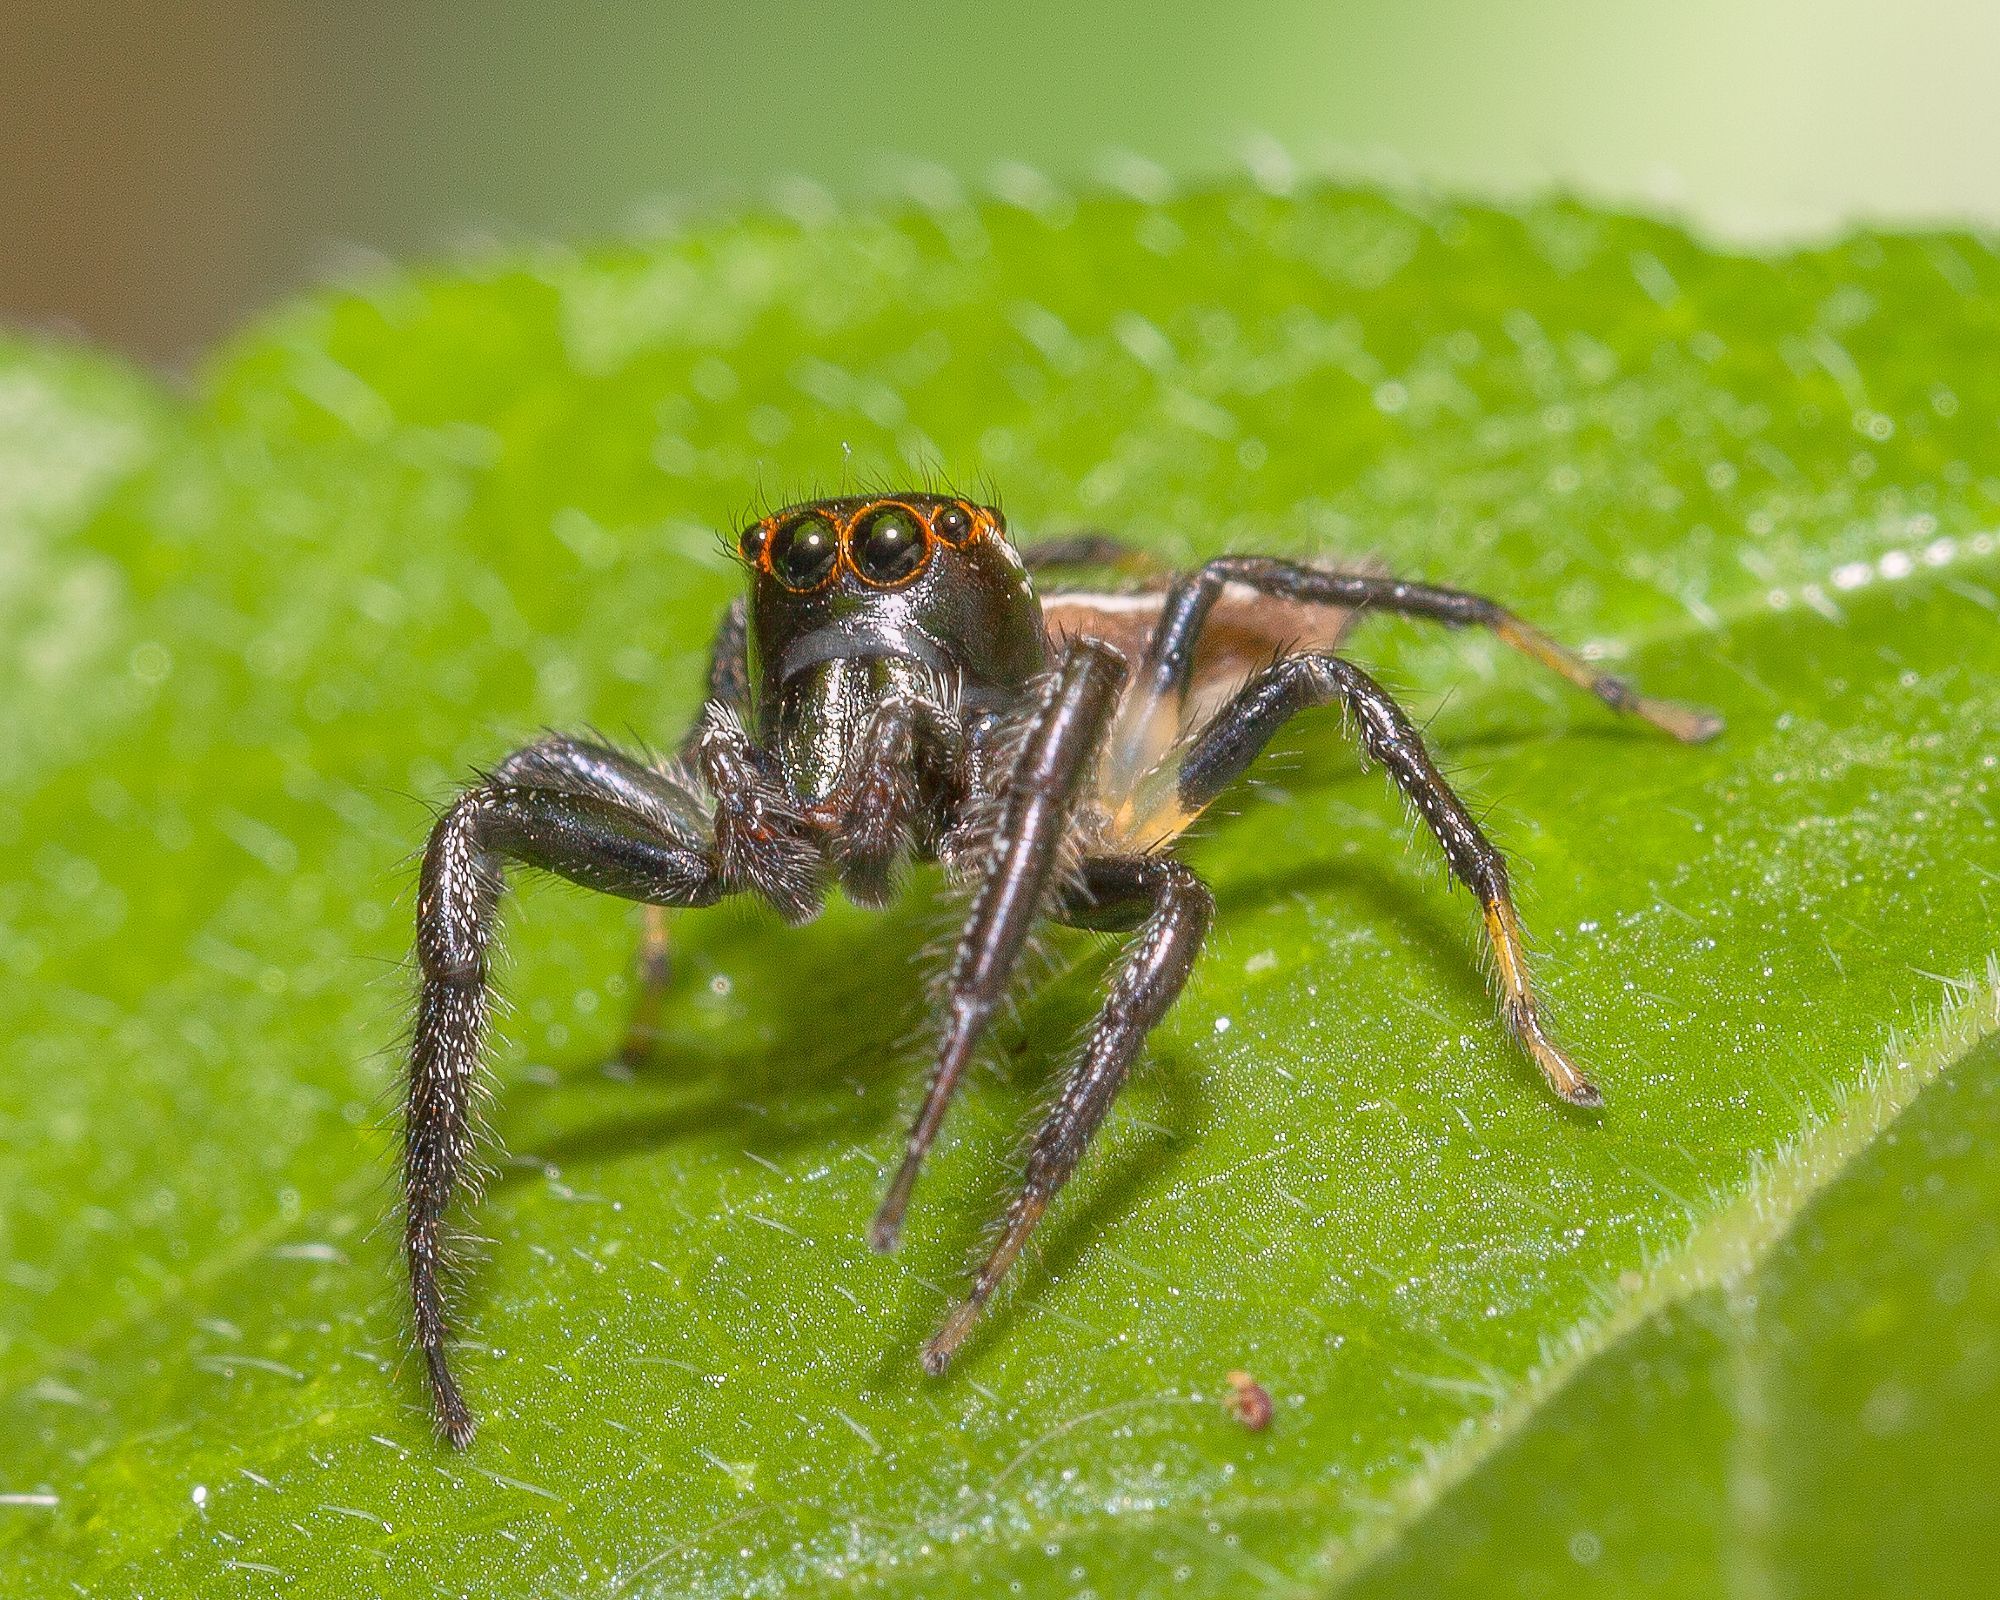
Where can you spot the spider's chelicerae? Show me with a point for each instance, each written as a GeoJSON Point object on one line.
{"type": "Point", "coordinates": [893, 687]}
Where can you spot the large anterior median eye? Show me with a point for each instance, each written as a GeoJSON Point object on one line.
{"type": "Point", "coordinates": [888, 546]}
{"type": "Point", "coordinates": [803, 553]}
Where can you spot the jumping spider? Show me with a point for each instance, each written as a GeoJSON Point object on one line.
{"type": "Point", "coordinates": [894, 687]}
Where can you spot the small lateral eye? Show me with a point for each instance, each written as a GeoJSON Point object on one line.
{"type": "Point", "coordinates": [953, 523]}
{"type": "Point", "coordinates": [804, 552]}
{"type": "Point", "coordinates": [887, 546]}
{"type": "Point", "coordinates": [755, 537]}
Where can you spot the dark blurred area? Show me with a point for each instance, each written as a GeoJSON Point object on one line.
{"type": "Point", "coordinates": [165, 169]}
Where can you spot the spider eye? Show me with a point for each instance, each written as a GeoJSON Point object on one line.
{"type": "Point", "coordinates": [751, 545]}
{"type": "Point", "coordinates": [953, 523]}
{"type": "Point", "coordinates": [803, 553]}
{"type": "Point", "coordinates": [888, 546]}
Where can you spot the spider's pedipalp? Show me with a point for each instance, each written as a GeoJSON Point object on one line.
{"type": "Point", "coordinates": [763, 842]}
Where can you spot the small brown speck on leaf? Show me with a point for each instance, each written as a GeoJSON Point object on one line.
{"type": "Point", "coordinates": [1248, 1401]}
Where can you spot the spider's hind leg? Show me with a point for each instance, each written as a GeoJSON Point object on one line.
{"type": "Point", "coordinates": [1090, 549]}
{"type": "Point", "coordinates": [1232, 741]}
{"type": "Point", "coordinates": [1172, 909]}
{"type": "Point", "coordinates": [1195, 595]}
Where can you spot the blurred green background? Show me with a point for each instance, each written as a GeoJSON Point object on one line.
{"type": "Point", "coordinates": [166, 168]}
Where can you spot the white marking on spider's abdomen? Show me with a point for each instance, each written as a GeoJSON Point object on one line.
{"type": "Point", "coordinates": [1135, 600]}
{"type": "Point", "coordinates": [1142, 601]}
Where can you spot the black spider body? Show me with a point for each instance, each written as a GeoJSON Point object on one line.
{"type": "Point", "coordinates": [893, 687]}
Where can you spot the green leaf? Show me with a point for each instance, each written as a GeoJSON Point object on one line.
{"type": "Point", "coordinates": [1818, 1425]}
{"type": "Point", "coordinates": [256, 635]}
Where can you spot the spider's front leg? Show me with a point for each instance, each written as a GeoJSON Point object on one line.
{"type": "Point", "coordinates": [592, 816]}
{"type": "Point", "coordinates": [1242, 729]}
{"type": "Point", "coordinates": [1057, 753]}
{"type": "Point", "coordinates": [1172, 909]}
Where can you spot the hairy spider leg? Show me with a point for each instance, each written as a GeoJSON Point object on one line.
{"type": "Point", "coordinates": [1194, 597]}
{"type": "Point", "coordinates": [729, 685]}
{"type": "Point", "coordinates": [1137, 773]}
{"type": "Point", "coordinates": [1297, 683]}
{"type": "Point", "coordinates": [667, 796]}
{"type": "Point", "coordinates": [1056, 754]}
{"type": "Point", "coordinates": [638, 851]}
{"type": "Point", "coordinates": [1172, 909]}
{"type": "Point", "coordinates": [579, 766]}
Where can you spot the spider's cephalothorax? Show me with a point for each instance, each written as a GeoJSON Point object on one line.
{"type": "Point", "coordinates": [893, 688]}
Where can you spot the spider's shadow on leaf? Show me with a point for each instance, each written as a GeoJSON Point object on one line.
{"type": "Point", "coordinates": [793, 1082]}
{"type": "Point", "coordinates": [792, 1078]}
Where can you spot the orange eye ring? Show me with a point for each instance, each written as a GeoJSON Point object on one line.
{"type": "Point", "coordinates": [803, 552]}
{"type": "Point", "coordinates": [888, 544]}
{"type": "Point", "coordinates": [955, 523]}
{"type": "Point", "coordinates": [884, 544]}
